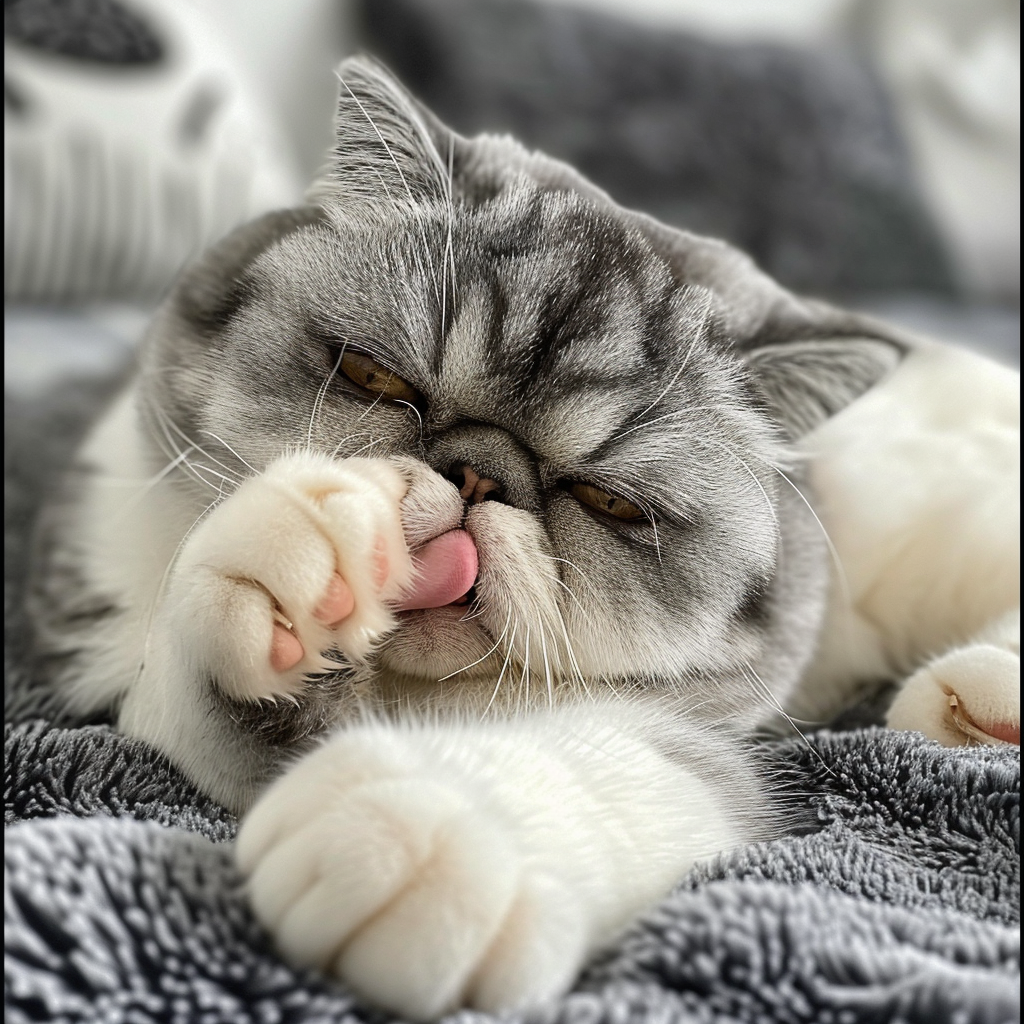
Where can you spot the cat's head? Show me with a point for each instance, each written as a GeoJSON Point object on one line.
{"type": "Point", "coordinates": [631, 390]}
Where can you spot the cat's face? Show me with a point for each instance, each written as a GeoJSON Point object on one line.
{"type": "Point", "coordinates": [445, 303]}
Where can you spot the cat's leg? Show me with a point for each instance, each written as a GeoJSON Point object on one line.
{"type": "Point", "coordinates": [433, 865]}
{"type": "Point", "coordinates": [970, 694]}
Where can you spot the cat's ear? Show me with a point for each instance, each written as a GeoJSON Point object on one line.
{"type": "Point", "coordinates": [214, 288]}
{"type": "Point", "coordinates": [805, 382]}
{"type": "Point", "coordinates": [808, 360]}
{"type": "Point", "coordinates": [387, 149]}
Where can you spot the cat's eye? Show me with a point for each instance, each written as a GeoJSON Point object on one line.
{"type": "Point", "coordinates": [612, 504]}
{"type": "Point", "coordinates": [377, 379]}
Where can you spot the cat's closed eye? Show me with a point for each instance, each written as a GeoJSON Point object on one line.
{"type": "Point", "coordinates": [612, 504]}
{"type": "Point", "coordinates": [371, 376]}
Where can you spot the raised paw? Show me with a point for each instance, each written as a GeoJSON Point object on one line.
{"type": "Point", "coordinates": [404, 884]}
{"type": "Point", "coordinates": [298, 562]}
{"type": "Point", "coordinates": [969, 695]}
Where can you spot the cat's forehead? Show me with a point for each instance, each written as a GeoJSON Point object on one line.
{"type": "Point", "coordinates": [560, 321]}
{"type": "Point", "coordinates": [505, 362]}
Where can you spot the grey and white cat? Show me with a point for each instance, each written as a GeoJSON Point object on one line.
{"type": "Point", "coordinates": [459, 507]}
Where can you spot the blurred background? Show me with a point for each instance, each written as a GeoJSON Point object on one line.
{"type": "Point", "coordinates": [865, 151]}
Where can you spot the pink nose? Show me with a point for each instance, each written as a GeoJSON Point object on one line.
{"type": "Point", "coordinates": [475, 488]}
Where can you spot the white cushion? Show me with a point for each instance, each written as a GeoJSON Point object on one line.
{"type": "Point", "coordinates": [116, 173]}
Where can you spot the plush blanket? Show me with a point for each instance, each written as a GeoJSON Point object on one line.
{"type": "Point", "coordinates": [900, 903]}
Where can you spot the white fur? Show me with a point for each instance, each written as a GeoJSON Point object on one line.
{"type": "Point", "coordinates": [430, 863]}
{"type": "Point", "coordinates": [128, 529]}
{"type": "Point", "coordinates": [918, 485]}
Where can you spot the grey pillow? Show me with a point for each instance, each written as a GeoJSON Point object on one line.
{"type": "Point", "coordinates": [794, 155]}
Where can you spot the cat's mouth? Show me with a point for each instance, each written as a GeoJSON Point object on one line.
{"type": "Point", "coordinates": [445, 573]}
{"type": "Point", "coordinates": [477, 588]}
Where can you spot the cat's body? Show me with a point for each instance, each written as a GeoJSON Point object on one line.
{"type": "Point", "coordinates": [466, 352]}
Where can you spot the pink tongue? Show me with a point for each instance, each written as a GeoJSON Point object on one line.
{"type": "Point", "coordinates": [445, 570]}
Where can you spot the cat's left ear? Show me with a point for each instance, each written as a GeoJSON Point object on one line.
{"type": "Point", "coordinates": [808, 360]}
{"type": "Point", "coordinates": [804, 382]}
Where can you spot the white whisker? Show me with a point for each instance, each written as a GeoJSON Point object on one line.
{"type": "Point", "coordinates": [844, 583]}
{"type": "Point", "coordinates": [576, 600]}
{"type": "Point", "coordinates": [166, 423]}
{"type": "Point", "coordinates": [483, 657]}
{"type": "Point", "coordinates": [199, 467]}
{"type": "Point", "coordinates": [572, 565]}
{"type": "Point", "coordinates": [577, 671]}
{"type": "Point", "coordinates": [320, 395]}
{"type": "Point", "coordinates": [252, 469]}
{"type": "Point", "coordinates": [419, 418]}
{"type": "Point", "coordinates": [686, 360]}
{"type": "Point", "coordinates": [171, 466]}
{"type": "Point", "coordinates": [774, 702]}
{"type": "Point", "coordinates": [547, 667]}
{"type": "Point", "coordinates": [760, 487]}
{"type": "Point", "coordinates": [505, 664]}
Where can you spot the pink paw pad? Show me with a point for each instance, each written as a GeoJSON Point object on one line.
{"type": "Point", "coordinates": [337, 604]}
{"type": "Point", "coordinates": [1005, 732]}
{"type": "Point", "coordinates": [285, 649]}
{"type": "Point", "coordinates": [997, 732]}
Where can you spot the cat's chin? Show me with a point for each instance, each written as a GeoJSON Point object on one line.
{"type": "Point", "coordinates": [433, 643]}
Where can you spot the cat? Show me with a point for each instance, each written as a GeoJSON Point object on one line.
{"type": "Point", "coordinates": [452, 531]}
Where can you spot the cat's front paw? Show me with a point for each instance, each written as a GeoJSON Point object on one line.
{"type": "Point", "coordinates": [969, 695]}
{"type": "Point", "coordinates": [402, 882]}
{"type": "Point", "coordinates": [300, 560]}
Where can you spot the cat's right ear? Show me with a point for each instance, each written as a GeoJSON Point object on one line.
{"type": "Point", "coordinates": [387, 149]}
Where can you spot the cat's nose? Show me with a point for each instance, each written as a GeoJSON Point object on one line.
{"type": "Point", "coordinates": [475, 488]}
{"type": "Point", "coordinates": [486, 463]}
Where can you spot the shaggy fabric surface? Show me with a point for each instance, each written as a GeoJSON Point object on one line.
{"type": "Point", "coordinates": [901, 903]}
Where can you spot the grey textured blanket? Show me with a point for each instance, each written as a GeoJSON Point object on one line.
{"type": "Point", "coordinates": [902, 903]}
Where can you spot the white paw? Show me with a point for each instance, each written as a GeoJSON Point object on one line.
{"type": "Point", "coordinates": [970, 695]}
{"type": "Point", "coordinates": [298, 561]}
{"type": "Point", "coordinates": [371, 862]}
